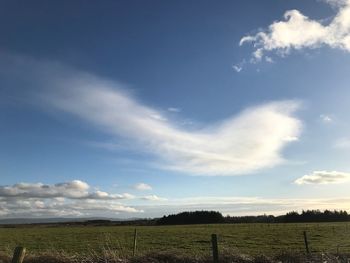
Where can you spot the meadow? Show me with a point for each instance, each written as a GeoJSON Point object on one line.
{"type": "Point", "coordinates": [251, 239]}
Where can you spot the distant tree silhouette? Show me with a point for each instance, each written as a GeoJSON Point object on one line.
{"type": "Point", "coordinates": [294, 217]}
{"type": "Point", "coordinates": [196, 217]}
{"type": "Point", "coordinates": [212, 217]}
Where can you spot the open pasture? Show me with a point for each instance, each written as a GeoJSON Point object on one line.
{"type": "Point", "coordinates": [253, 239]}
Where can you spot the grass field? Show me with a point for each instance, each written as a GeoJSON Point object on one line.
{"type": "Point", "coordinates": [253, 239]}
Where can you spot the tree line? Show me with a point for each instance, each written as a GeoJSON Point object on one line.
{"type": "Point", "coordinates": [214, 217]}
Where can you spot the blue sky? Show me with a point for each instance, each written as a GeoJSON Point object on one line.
{"type": "Point", "coordinates": [139, 109]}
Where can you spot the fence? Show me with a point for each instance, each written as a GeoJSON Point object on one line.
{"type": "Point", "coordinates": [19, 252]}
{"type": "Point", "coordinates": [187, 240]}
{"type": "Point", "coordinates": [18, 255]}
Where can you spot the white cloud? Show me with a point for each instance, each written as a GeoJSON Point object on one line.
{"type": "Point", "coordinates": [62, 199]}
{"type": "Point", "coordinates": [243, 143]}
{"type": "Point", "coordinates": [153, 198]}
{"type": "Point", "coordinates": [158, 117]}
{"type": "Point", "coordinates": [326, 118]}
{"type": "Point", "coordinates": [323, 177]}
{"type": "Point", "coordinates": [291, 138]}
{"type": "Point", "coordinates": [143, 187]}
{"type": "Point", "coordinates": [269, 59]}
{"type": "Point", "coordinates": [74, 190]}
{"type": "Point", "coordinates": [237, 68]}
{"type": "Point", "coordinates": [99, 195]}
{"type": "Point", "coordinates": [67, 199]}
{"type": "Point", "coordinates": [298, 31]}
{"type": "Point", "coordinates": [37, 205]}
{"type": "Point", "coordinates": [49, 208]}
{"type": "Point", "coordinates": [336, 3]}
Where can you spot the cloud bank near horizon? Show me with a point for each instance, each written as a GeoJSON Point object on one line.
{"type": "Point", "coordinates": [75, 189]}
{"type": "Point", "coordinates": [245, 205]}
{"type": "Point", "coordinates": [75, 199]}
{"type": "Point", "coordinates": [72, 198]}
{"type": "Point", "coordinates": [297, 31]}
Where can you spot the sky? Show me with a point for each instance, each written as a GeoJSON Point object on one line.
{"type": "Point", "coordinates": [137, 109]}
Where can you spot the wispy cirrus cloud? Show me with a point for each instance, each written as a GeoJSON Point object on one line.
{"type": "Point", "coordinates": [243, 143]}
{"type": "Point", "coordinates": [297, 31]}
{"type": "Point", "coordinates": [153, 198]}
{"type": "Point", "coordinates": [323, 177]}
{"type": "Point", "coordinates": [143, 187]}
{"type": "Point", "coordinates": [325, 118]}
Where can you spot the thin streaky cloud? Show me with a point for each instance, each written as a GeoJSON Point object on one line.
{"type": "Point", "coordinates": [153, 198]}
{"type": "Point", "coordinates": [143, 187]}
{"type": "Point", "coordinates": [236, 146]}
{"type": "Point", "coordinates": [326, 118]}
{"type": "Point", "coordinates": [244, 143]}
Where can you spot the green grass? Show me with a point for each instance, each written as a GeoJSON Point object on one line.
{"type": "Point", "coordinates": [253, 239]}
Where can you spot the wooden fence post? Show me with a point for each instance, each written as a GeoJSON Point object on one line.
{"type": "Point", "coordinates": [306, 243]}
{"type": "Point", "coordinates": [214, 243]}
{"type": "Point", "coordinates": [18, 255]}
{"type": "Point", "coordinates": [135, 242]}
